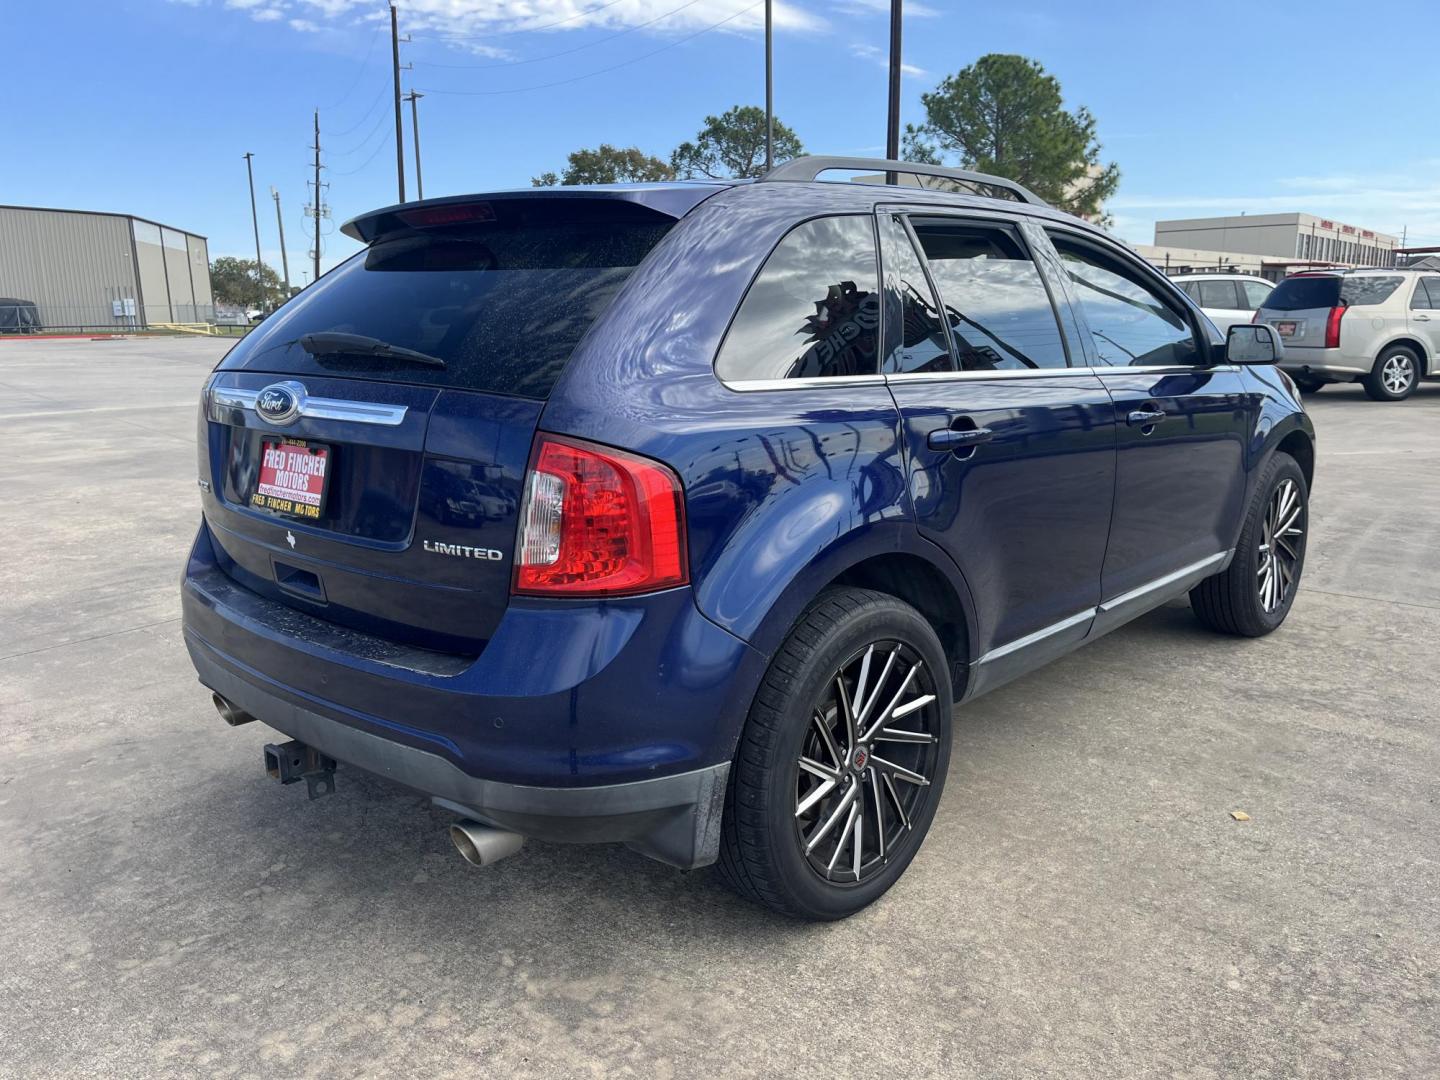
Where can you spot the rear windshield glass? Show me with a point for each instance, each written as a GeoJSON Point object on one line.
{"type": "Point", "coordinates": [1302, 293]}
{"type": "Point", "coordinates": [502, 307]}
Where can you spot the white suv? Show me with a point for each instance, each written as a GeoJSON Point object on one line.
{"type": "Point", "coordinates": [1381, 327]}
{"type": "Point", "coordinates": [1227, 299]}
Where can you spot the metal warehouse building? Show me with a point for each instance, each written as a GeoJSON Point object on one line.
{"type": "Point", "coordinates": [86, 270]}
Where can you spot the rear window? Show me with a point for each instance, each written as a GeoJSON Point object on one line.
{"type": "Point", "coordinates": [504, 307]}
{"type": "Point", "coordinates": [1302, 293]}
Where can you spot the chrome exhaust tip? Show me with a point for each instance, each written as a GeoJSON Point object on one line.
{"type": "Point", "coordinates": [230, 712]}
{"type": "Point", "coordinates": [480, 845]}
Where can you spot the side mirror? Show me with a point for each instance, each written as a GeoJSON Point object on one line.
{"type": "Point", "coordinates": [1253, 343]}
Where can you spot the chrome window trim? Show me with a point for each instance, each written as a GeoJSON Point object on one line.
{"type": "Point", "coordinates": [747, 386]}
{"type": "Point", "coordinates": [313, 408]}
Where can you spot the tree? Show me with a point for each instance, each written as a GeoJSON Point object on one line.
{"type": "Point", "coordinates": [733, 145]}
{"type": "Point", "coordinates": [1004, 115]}
{"type": "Point", "coordinates": [607, 165]}
{"type": "Point", "coordinates": [232, 281]}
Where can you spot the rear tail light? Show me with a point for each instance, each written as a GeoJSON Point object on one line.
{"type": "Point", "coordinates": [598, 522]}
{"type": "Point", "coordinates": [1332, 328]}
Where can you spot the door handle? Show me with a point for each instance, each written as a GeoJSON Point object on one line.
{"type": "Point", "coordinates": [1421, 318]}
{"type": "Point", "coordinates": [1145, 417]}
{"type": "Point", "coordinates": [958, 438]}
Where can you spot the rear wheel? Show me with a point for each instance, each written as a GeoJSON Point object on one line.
{"type": "Point", "coordinates": [1253, 595]}
{"type": "Point", "coordinates": [842, 759]}
{"type": "Point", "coordinates": [1394, 375]}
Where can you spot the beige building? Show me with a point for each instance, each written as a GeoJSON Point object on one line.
{"type": "Point", "coordinates": [86, 270]}
{"type": "Point", "coordinates": [1285, 242]}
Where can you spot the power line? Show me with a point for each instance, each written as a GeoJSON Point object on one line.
{"type": "Point", "coordinates": [600, 71]}
{"type": "Point", "coordinates": [359, 75]}
{"type": "Point", "coordinates": [566, 52]}
{"type": "Point", "coordinates": [380, 122]}
{"type": "Point", "coordinates": [368, 113]}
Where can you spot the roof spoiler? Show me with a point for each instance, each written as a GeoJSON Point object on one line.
{"type": "Point", "coordinates": [637, 203]}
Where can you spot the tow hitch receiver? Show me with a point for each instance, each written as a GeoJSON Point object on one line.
{"type": "Point", "coordinates": [293, 761]}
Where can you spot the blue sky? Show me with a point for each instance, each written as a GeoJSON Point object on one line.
{"type": "Point", "coordinates": [1209, 106]}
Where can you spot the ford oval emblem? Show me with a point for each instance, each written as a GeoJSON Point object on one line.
{"type": "Point", "coordinates": [280, 403]}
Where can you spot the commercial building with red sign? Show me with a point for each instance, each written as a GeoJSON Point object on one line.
{"type": "Point", "coordinates": [1284, 242]}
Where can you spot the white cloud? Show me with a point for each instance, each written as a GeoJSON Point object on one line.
{"type": "Point", "coordinates": [881, 57]}
{"type": "Point", "coordinates": [305, 26]}
{"type": "Point", "coordinates": [270, 14]}
{"type": "Point", "coordinates": [882, 7]}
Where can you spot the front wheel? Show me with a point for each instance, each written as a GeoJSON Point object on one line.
{"type": "Point", "coordinates": [1394, 376]}
{"type": "Point", "coordinates": [842, 759]}
{"type": "Point", "coordinates": [1252, 596]}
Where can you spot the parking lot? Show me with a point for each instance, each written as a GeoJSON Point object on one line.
{"type": "Point", "coordinates": [1084, 906]}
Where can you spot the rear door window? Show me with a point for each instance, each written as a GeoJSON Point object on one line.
{"type": "Point", "coordinates": [503, 307]}
{"type": "Point", "coordinates": [1131, 324]}
{"type": "Point", "coordinates": [994, 298]}
{"type": "Point", "coordinates": [1254, 293]}
{"type": "Point", "coordinates": [814, 309]}
{"type": "Point", "coordinates": [915, 338]}
{"type": "Point", "coordinates": [1219, 294]}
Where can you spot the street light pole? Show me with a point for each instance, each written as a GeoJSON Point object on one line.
{"type": "Point", "coordinates": [892, 132]}
{"type": "Point", "coordinates": [769, 86]}
{"type": "Point", "coordinates": [254, 218]}
{"type": "Point", "coordinates": [280, 224]}
{"type": "Point", "coordinates": [413, 97]}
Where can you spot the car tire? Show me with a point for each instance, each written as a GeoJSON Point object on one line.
{"type": "Point", "coordinates": [851, 650]}
{"type": "Point", "coordinates": [1395, 375]}
{"type": "Point", "coordinates": [1252, 596]}
{"type": "Point", "coordinates": [1308, 384]}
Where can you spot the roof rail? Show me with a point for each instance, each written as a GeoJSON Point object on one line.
{"type": "Point", "coordinates": [808, 168]}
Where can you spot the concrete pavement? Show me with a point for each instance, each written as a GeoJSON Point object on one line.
{"type": "Point", "coordinates": [1084, 906]}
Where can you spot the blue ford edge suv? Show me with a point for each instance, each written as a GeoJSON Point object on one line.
{"type": "Point", "coordinates": [681, 515]}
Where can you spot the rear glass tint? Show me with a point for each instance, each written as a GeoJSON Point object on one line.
{"type": "Point", "coordinates": [1303, 293]}
{"type": "Point", "coordinates": [503, 307]}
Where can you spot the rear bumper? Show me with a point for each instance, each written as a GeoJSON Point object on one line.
{"type": "Point", "coordinates": [1325, 363]}
{"type": "Point", "coordinates": [608, 721]}
{"type": "Point", "coordinates": [675, 819]}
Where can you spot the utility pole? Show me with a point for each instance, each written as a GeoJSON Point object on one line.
{"type": "Point", "coordinates": [280, 224]}
{"type": "Point", "coordinates": [769, 86]}
{"type": "Point", "coordinates": [399, 133]}
{"type": "Point", "coordinates": [413, 97]}
{"type": "Point", "coordinates": [317, 208]}
{"type": "Point", "coordinates": [254, 218]}
{"type": "Point", "coordinates": [892, 132]}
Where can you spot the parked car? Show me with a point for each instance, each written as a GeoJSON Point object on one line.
{"type": "Point", "coordinates": [1378, 327]}
{"type": "Point", "coordinates": [1228, 299]}
{"type": "Point", "coordinates": [19, 316]}
{"type": "Point", "coordinates": [768, 476]}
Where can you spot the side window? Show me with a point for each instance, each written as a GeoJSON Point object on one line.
{"type": "Point", "coordinates": [994, 298]}
{"type": "Point", "coordinates": [1190, 289]}
{"type": "Point", "coordinates": [1419, 300]}
{"type": "Point", "coordinates": [1254, 293]}
{"type": "Point", "coordinates": [814, 309]}
{"type": "Point", "coordinates": [1218, 294]}
{"type": "Point", "coordinates": [1432, 286]}
{"type": "Point", "coordinates": [914, 333]}
{"type": "Point", "coordinates": [1130, 323]}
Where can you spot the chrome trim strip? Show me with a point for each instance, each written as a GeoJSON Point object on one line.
{"type": "Point", "coordinates": [749, 385]}
{"type": "Point", "coordinates": [1038, 636]}
{"type": "Point", "coordinates": [1163, 582]}
{"type": "Point", "coordinates": [356, 412]}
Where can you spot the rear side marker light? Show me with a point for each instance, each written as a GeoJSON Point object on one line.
{"type": "Point", "coordinates": [598, 522]}
{"type": "Point", "coordinates": [1332, 328]}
